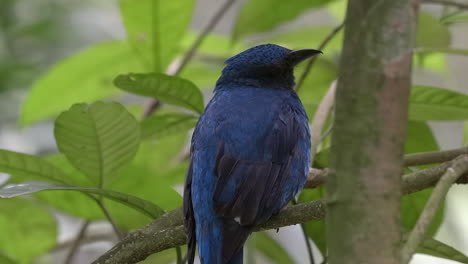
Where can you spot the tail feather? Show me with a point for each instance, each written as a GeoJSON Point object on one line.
{"type": "Point", "coordinates": [234, 237]}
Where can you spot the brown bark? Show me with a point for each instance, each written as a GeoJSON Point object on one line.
{"type": "Point", "coordinates": [364, 188]}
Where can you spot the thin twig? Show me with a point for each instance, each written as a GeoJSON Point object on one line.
{"type": "Point", "coordinates": [458, 167]}
{"type": "Point", "coordinates": [192, 50]}
{"type": "Point", "coordinates": [312, 60]}
{"type": "Point", "coordinates": [306, 238]}
{"type": "Point", "coordinates": [447, 3]}
{"type": "Point", "coordinates": [424, 158]}
{"type": "Point", "coordinates": [109, 218]}
{"type": "Point", "coordinates": [76, 244]}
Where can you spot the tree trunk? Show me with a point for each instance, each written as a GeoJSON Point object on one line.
{"type": "Point", "coordinates": [364, 190]}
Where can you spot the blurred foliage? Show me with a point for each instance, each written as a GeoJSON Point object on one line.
{"type": "Point", "coordinates": [135, 166]}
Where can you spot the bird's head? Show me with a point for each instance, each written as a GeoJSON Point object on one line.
{"type": "Point", "coordinates": [268, 65]}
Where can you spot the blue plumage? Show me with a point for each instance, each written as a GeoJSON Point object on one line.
{"type": "Point", "coordinates": [250, 153]}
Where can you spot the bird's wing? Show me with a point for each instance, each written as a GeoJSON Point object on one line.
{"type": "Point", "coordinates": [250, 191]}
{"type": "Point", "coordinates": [189, 217]}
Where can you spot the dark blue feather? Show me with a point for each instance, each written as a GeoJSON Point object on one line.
{"type": "Point", "coordinates": [250, 154]}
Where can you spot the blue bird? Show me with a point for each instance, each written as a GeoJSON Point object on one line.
{"type": "Point", "coordinates": [250, 153]}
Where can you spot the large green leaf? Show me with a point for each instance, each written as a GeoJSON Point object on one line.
{"type": "Point", "coordinates": [168, 89]}
{"type": "Point", "coordinates": [149, 176]}
{"type": "Point", "coordinates": [134, 202]}
{"type": "Point", "coordinates": [419, 138]}
{"type": "Point", "coordinates": [98, 139]}
{"type": "Point", "coordinates": [164, 257]}
{"type": "Point", "coordinates": [264, 15]}
{"type": "Point", "coordinates": [271, 249]}
{"type": "Point", "coordinates": [155, 29]}
{"type": "Point", "coordinates": [431, 103]}
{"type": "Point", "coordinates": [27, 229]}
{"type": "Point", "coordinates": [465, 134]}
{"type": "Point", "coordinates": [4, 259]}
{"type": "Point", "coordinates": [83, 77]}
{"type": "Point", "coordinates": [436, 248]}
{"type": "Point", "coordinates": [431, 33]}
{"type": "Point", "coordinates": [30, 166]}
{"type": "Point", "coordinates": [163, 124]}
{"type": "Point", "coordinates": [456, 17]}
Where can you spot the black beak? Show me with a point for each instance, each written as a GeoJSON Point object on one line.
{"type": "Point", "coordinates": [297, 56]}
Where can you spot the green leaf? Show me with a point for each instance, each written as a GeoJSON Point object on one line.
{"type": "Point", "coordinates": [338, 9]}
{"type": "Point", "coordinates": [271, 249]}
{"type": "Point", "coordinates": [134, 202]}
{"type": "Point", "coordinates": [315, 230]}
{"type": "Point", "coordinates": [436, 248]}
{"type": "Point", "coordinates": [150, 176]}
{"type": "Point", "coordinates": [264, 15]}
{"type": "Point", "coordinates": [155, 29]}
{"type": "Point", "coordinates": [163, 124]}
{"type": "Point", "coordinates": [431, 33]}
{"type": "Point", "coordinates": [457, 17]}
{"type": "Point", "coordinates": [164, 257]}
{"type": "Point", "coordinates": [98, 139]}
{"type": "Point", "coordinates": [85, 76]}
{"type": "Point", "coordinates": [419, 138]}
{"type": "Point", "coordinates": [431, 103]}
{"type": "Point", "coordinates": [465, 134]}
{"type": "Point", "coordinates": [25, 165]}
{"type": "Point", "coordinates": [4, 259]}
{"type": "Point", "coordinates": [27, 229]}
{"type": "Point", "coordinates": [168, 89]}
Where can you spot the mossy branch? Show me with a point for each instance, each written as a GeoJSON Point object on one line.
{"type": "Point", "coordinates": [168, 230]}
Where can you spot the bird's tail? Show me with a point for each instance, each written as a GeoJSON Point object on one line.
{"type": "Point", "coordinates": [234, 237]}
{"type": "Point", "coordinates": [222, 242]}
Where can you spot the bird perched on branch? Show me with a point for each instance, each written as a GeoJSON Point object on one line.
{"type": "Point", "coordinates": [250, 153]}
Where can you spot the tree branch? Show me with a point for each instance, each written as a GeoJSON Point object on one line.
{"type": "Point", "coordinates": [433, 157]}
{"type": "Point", "coordinates": [458, 167]}
{"type": "Point", "coordinates": [447, 3]}
{"type": "Point", "coordinates": [168, 230]}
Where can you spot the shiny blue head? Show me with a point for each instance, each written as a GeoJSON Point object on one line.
{"type": "Point", "coordinates": [264, 66]}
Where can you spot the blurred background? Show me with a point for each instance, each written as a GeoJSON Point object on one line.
{"type": "Point", "coordinates": [38, 37]}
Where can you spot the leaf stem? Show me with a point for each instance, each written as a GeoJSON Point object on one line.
{"type": "Point", "coordinates": [109, 218]}
{"type": "Point", "coordinates": [76, 244]}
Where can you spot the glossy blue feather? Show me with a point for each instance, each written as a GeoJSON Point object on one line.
{"type": "Point", "coordinates": [250, 154]}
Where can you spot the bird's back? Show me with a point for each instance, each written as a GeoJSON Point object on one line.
{"type": "Point", "coordinates": [250, 155]}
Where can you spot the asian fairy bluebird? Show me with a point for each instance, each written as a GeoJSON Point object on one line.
{"type": "Point", "coordinates": [250, 152]}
